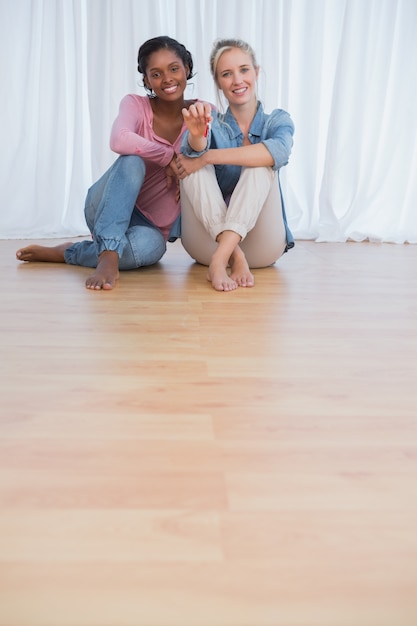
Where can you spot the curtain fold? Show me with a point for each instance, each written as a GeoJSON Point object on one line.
{"type": "Point", "coordinates": [346, 71]}
{"type": "Point", "coordinates": [372, 130]}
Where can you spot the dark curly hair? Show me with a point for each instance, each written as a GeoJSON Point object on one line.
{"type": "Point", "coordinates": [158, 43]}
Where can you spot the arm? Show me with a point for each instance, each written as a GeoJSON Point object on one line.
{"type": "Point", "coordinates": [128, 133]}
{"type": "Point", "coordinates": [272, 150]}
{"type": "Point", "coordinates": [277, 137]}
{"type": "Point", "coordinates": [255, 155]}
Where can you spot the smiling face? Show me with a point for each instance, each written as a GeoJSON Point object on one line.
{"type": "Point", "coordinates": [166, 75]}
{"type": "Point", "coordinates": [236, 76]}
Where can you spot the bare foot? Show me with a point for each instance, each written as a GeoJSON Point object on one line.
{"type": "Point", "coordinates": [107, 271]}
{"type": "Point", "coordinates": [219, 278]}
{"type": "Point", "coordinates": [34, 253]}
{"type": "Point", "coordinates": [241, 273]}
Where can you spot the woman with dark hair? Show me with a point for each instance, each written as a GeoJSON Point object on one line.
{"type": "Point", "coordinates": [133, 209]}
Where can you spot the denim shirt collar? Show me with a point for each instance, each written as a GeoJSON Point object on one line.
{"type": "Point", "coordinates": [256, 126]}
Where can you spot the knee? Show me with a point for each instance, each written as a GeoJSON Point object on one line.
{"type": "Point", "coordinates": [146, 246]}
{"type": "Point", "coordinates": [131, 165]}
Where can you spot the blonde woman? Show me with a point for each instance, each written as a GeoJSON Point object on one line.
{"type": "Point", "coordinates": [231, 202]}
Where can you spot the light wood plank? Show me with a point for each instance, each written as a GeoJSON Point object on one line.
{"type": "Point", "coordinates": [175, 456]}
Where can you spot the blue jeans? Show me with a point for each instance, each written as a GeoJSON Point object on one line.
{"type": "Point", "coordinates": [115, 223]}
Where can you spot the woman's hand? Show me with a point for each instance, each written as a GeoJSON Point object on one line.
{"type": "Point", "coordinates": [173, 176]}
{"type": "Point", "coordinates": [196, 118]}
{"type": "Point", "coordinates": [187, 165]}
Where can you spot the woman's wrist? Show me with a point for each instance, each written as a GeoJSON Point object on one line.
{"type": "Point", "coordinates": [208, 157]}
{"type": "Point", "coordinates": [198, 144]}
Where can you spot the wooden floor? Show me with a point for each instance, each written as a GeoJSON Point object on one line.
{"type": "Point", "coordinates": [174, 456]}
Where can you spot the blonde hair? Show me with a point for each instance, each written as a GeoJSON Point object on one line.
{"type": "Point", "coordinates": [222, 45]}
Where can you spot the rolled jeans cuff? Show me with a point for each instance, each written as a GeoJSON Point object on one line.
{"type": "Point", "coordinates": [108, 245]}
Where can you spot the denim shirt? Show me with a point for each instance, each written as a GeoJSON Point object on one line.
{"type": "Point", "coordinates": [274, 130]}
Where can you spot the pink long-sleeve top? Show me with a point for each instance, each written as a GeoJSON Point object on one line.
{"type": "Point", "coordinates": [132, 133]}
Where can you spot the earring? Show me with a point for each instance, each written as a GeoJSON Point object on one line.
{"type": "Point", "coordinates": [148, 90]}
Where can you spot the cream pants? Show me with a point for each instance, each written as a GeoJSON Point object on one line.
{"type": "Point", "coordinates": [254, 212]}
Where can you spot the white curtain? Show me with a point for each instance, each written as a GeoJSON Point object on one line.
{"type": "Point", "coordinates": [346, 71]}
